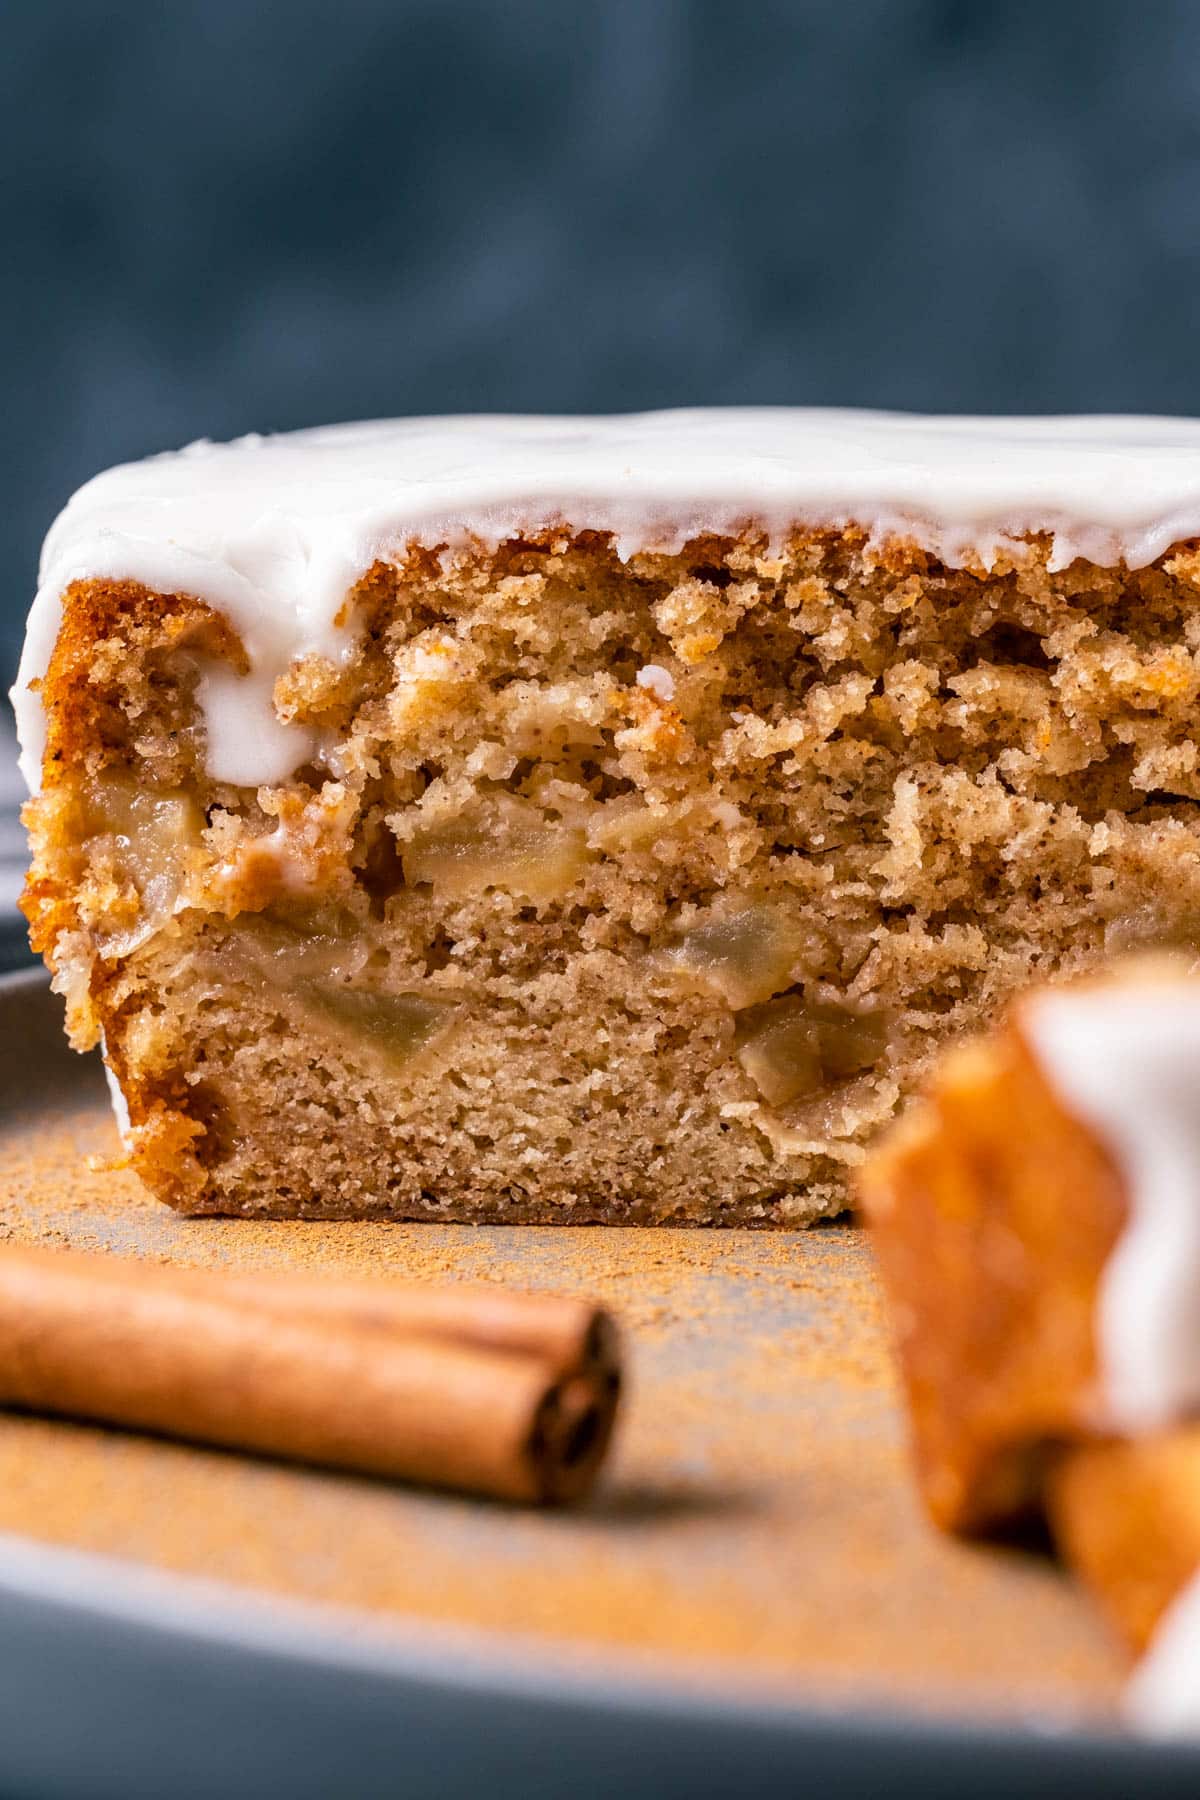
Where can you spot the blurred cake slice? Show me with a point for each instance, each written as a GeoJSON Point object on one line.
{"type": "Point", "coordinates": [559, 819]}
{"type": "Point", "coordinates": [1037, 1222]}
{"type": "Point", "coordinates": [1126, 1517]}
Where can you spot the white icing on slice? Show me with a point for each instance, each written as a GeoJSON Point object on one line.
{"type": "Point", "coordinates": [1163, 1694]}
{"type": "Point", "coordinates": [1126, 1062]}
{"type": "Point", "coordinates": [247, 744]}
{"type": "Point", "coordinates": [274, 531]}
{"type": "Point", "coordinates": [120, 1109]}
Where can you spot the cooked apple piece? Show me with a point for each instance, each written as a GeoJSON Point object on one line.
{"type": "Point", "coordinates": [147, 838]}
{"type": "Point", "coordinates": [513, 846]}
{"type": "Point", "coordinates": [743, 957]}
{"type": "Point", "coordinates": [322, 944]}
{"type": "Point", "coordinates": [396, 1028]}
{"type": "Point", "coordinates": [780, 1050]}
{"type": "Point", "coordinates": [626, 826]}
{"type": "Point", "coordinates": [852, 1038]}
{"type": "Point", "coordinates": [790, 1047]}
{"type": "Point", "coordinates": [1149, 928]}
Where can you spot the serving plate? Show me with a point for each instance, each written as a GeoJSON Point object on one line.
{"type": "Point", "coordinates": [753, 1604]}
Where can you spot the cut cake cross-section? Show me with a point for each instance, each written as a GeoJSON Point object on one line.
{"type": "Point", "coordinates": [558, 819]}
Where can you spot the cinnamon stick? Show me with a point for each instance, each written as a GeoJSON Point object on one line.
{"type": "Point", "coordinates": [565, 1331]}
{"type": "Point", "coordinates": [463, 1391]}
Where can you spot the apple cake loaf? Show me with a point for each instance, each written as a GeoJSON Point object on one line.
{"type": "Point", "coordinates": [597, 820]}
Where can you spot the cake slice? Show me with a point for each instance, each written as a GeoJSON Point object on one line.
{"type": "Point", "coordinates": [532, 819]}
{"type": "Point", "coordinates": [1037, 1222]}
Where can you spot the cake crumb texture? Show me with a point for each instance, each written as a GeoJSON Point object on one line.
{"type": "Point", "coordinates": [615, 890]}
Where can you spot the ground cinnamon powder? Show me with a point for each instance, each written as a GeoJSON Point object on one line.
{"type": "Point", "coordinates": [759, 1521]}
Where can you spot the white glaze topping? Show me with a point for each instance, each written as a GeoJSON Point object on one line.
{"type": "Point", "coordinates": [1125, 1061]}
{"type": "Point", "coordinates": [274, 531]}
{"type": "Point", "coordinates": [1163, 1695]}
{"type": "Point", "coordinates": [116, 1097]}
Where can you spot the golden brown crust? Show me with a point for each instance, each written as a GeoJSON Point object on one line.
{"type": "Point", "coordinates": [122, 654]}
{"type": "Point", "coordinates": [93, 683]}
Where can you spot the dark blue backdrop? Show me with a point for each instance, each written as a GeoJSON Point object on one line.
{"type": "Point", "coordinates": [226, 214]}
